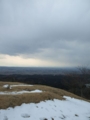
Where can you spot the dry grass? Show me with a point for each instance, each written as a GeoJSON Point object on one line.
{"type": "Point", "coordinates": [15, 100]}
{"type": "Point", "coordinates": [10, 83]}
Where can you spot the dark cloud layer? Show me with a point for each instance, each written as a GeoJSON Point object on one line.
{"type": "Point", "coordinates": [48, 29]}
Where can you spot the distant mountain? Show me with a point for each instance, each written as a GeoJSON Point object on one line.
{"type": "Point", "coordinates": [35, 70]}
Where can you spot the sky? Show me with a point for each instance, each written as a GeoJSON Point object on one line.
{"type": "Point", "coordinates": [45, 33]}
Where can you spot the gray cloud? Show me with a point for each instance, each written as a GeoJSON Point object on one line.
{"type": "Point", "coordinates": [47, 29]}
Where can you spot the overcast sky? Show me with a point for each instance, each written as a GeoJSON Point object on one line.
{"type": "Point", "coordinates": [45, 33]}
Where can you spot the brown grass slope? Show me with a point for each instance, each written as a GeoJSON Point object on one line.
{"type": "Point", "coordinates": [49, 93]}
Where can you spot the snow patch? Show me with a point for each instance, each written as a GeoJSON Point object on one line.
{"type": "Point", "coordinates": [7, 85]}
{"type": "Point", "coordinates": [20, 85]}
{"type": "Point", "coordinates": [20, 92]}
{"type": "Point", "coordinates": [69, 109]}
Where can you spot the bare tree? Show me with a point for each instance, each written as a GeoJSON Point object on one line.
{"type": "Point", "coordinates": [85, 74]}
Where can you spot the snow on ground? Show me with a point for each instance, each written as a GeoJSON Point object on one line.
{"type": "Point", "coordinates": [6, 86]}
{"type": "Point", "coordinates": [20, 85]}
{"type": "Point", "coordinates": [69, 109]}
{"type": "Point", "coordinates": [20, 92]}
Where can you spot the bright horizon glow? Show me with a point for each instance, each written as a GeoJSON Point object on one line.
{"type": "Point", "coordinates": [19, 61]}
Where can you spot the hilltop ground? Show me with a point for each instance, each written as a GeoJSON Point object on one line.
{"type": "Point", "coordinates": [14, 97]}
{"type": "Point", "coordinates": [36, 102]}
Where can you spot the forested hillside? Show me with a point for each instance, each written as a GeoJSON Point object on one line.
{"type": "Point", "coordinates": [74, 83]}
